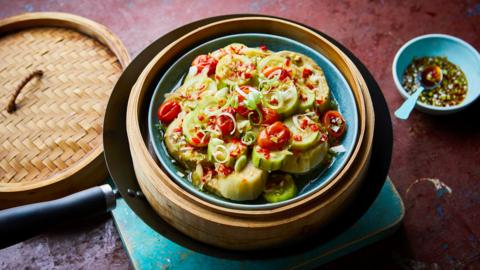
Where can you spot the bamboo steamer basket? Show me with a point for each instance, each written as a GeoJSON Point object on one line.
{"type": "Point", "coordinates": [52, 144]}
{"type": "Point", "coordinates": [243, 229]}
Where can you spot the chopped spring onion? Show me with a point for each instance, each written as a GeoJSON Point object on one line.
{"type": "Point", "coordinates": [260, 117]}
{"type": "Point", "coordinates": [220, 153]}
{"type": "Point", "coordinates": [243, 125]}
{"type": "Point", "coordinates": [233, 101]}
{"type": "Point", "coordinates": [248, 138]}
{"type": "Point", "coordinates": [338, 149]}
{"type": "Point", "coordinates": [213, 130]}
{"type": "Point", "coordinates": [240, 92]}
{"type": "Point", "coordinates": [233, 120]}
{"type": "Point", "coordinates": [253, 97]}
{"type": "Point", "coordinates": [180, 174]}
{"type": "Point", "coordinates": [266, 84]}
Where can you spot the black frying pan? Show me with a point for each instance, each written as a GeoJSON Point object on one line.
{"type": "Point", "coordinates": [19, 223]}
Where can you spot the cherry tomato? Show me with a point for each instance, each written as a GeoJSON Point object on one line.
{"type": "Point", "coordinates": [335, 123]}
{"type": "Point", "coordinates": [241, 109]}
{"type": "Point", "coordinates": [225, 124]}
{"type": "Point", "coordinates": [274, 137]}
{"type": "Point", "coordinates": [205, 61]}
{"type": "Point", "coordinates": [168, 111]}
{"type": "Point", "coordinates": [270, 116]}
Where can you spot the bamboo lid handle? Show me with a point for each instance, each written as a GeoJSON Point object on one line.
{"type": "Point", "coordinates": [11, 107]}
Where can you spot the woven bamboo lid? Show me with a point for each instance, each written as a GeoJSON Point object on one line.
{"type": "Point", "coordinates": [51, 144]}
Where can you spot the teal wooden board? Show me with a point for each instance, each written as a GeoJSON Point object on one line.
{"type": "Point", "coordinates": [149, 250]}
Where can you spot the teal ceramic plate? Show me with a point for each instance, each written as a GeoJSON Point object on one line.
{"type": "Point", "coordinates": [308, 183]}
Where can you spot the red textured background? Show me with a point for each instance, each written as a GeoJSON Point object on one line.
{"type": "Point", "coordinates": [441, 230]}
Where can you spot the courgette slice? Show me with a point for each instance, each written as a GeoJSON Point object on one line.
{"type": "Point", "coordinates": [230, 66]}
{"type": "Point", "coordinates": [273, 60]}
{"type": "Point", "coordinates": [307, 98]}
{"type": "Point", "coordinates": [179, 148]}
{"type": "Point", "coordinates": [302, 139]}
{"type": "Point", "coordinates": [317, 79]}
{"type": "Point", "coordinates": [191, 126]}
{"type": "Point", "coordinates": [285, 97]}
{"type": "Point", "coordinates": [219, 151]}
{"type": "Point", "coordinates": [194, 89]}
{"type": "Point", "coordinates": [279, 187]}
{"type": "Point", "coordinates": [246, 184]}
{"type": "Point", "coordinates": [303, 162]}
{"type": "Point", "coordinates": [213, 157]}
{"type": "Point", "coordinates": [235, 48]}
{"type": "Point", "coordinates": [269, 160]}
{"type": "Point", "coordinates": [256, 52]}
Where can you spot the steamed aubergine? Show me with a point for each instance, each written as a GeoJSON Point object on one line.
{"type": "Point", "coordinates": [246, 118]}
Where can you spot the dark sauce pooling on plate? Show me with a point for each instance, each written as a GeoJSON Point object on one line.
{"type": "Point", "coordinates": [451, 91]}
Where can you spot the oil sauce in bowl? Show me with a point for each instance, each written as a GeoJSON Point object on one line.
{"type": "Point", "coordinates": [452, 90]}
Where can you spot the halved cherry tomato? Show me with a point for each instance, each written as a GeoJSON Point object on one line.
{"type": "Point", "coordinates": [204, 61]}
{"type": "Point", "coordinates": [225, 124]}
{"type": "Point", "coordinates": [270, 116]}
{"type": "Point", "coordinates": [274, 137]}
{"type": "Point", "coordinates": [335, 123]}
{"type": "Point", "coordinates": [168, 111]}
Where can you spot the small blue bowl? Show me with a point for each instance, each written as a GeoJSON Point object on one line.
{"type": "Point", "coordinates": [339, 88]}
{"type": "Point", "coordinates": [456, 50]}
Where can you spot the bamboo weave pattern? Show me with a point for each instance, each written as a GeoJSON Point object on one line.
{"type": "Point", "coordinates": [59, 117]}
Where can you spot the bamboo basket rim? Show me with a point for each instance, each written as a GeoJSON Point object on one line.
{"type": "Point", "coordinates": [138, 92]}
{"type": "Point", "coordinates": [188, 209]}
{"type": "Point", "coordinates": [81, 25]}
{"type": "Point", "coordinates": [239, 223]}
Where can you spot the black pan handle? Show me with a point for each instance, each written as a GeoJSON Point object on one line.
{"type": "Point", "coordinates": [22, 222]}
